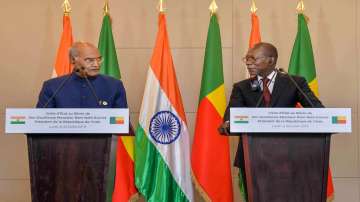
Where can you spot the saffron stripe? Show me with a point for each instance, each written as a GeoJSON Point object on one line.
{"type": "Point", "coordinates": [163, 68]}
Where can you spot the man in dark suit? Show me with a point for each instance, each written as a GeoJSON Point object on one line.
{"type": "Point", "coordinates": [266, 87]}
{"type": "Point", "coordinates": [73, 175]}
{"type": "Point", "coordinates": [84, 87]}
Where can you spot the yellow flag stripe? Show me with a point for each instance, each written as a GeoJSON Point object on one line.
{"type": "Point", "coordinates": [129, 145]}
{"type": "Point", "coordinates": [314, 87]}
{"type": "Point", "coordinates": [217, 98]}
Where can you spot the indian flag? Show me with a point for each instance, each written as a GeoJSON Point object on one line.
{"type": "Point", "coordinates": [241, 119]}
{"type": "Point", "coordinates": [162, 145]}
{"type": "Point", "coordinates": [17, 119]}
{"type": "Point", "coordinates": [62, 62]}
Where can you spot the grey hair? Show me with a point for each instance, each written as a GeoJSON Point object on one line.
{"type": "Point", "coordinates": [74, 52]}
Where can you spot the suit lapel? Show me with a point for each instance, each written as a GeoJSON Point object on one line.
{"type": "Point", "coordinates": [279, 84]}
{"type": "Point", "coordinates": [254, 96]}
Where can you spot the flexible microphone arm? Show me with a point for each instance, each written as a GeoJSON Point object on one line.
{"type": "Point", "coordinates": [58, 89]}
{"type": "Point", "coordinates": [281, 70]}
{"type": "Point", "coordinates": [92, 89]}
{"type": "Point", "coordinates": [82, 73]}
{"type": "Point", "coordinates": [259, 100]}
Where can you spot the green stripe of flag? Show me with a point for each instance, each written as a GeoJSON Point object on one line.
{"type": "Point", "coordinates": [212, 60]}
{"type": "Point", "coordinates": [17, 122]}
{"type": "Point", "coordinates": [110, 65]}
{"type": "Point", "coordinates": [302, 56]}
{"type": "Point", "coordinates": [153, 177]}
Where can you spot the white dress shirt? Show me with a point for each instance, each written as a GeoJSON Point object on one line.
{"type": "Point", "coordinates": [271, 78]}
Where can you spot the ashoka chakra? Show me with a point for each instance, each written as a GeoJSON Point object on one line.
{"type": "Point", "coordinates": [164, 127]}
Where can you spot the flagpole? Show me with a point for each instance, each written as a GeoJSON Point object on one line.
{"type": "Point", "coordinates": [161, 6]}
{"type": "Point", "coordinates": [67, 8]}
{"type": "Point", "coordinates": [300, 6]}
{"type": "Point", "coordinates": [253, 7]}
{"type": "Point", "coordinates": [106, 7]}
{"type": "Point", "coordinates": [300, 9]}
{"type": "Point", "coordinates": [213, 7]}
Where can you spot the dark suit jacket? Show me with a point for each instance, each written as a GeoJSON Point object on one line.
{"type": "Point", "coordinates": [76, 92]}
{"type": "Point", "coordinates": [284, 94]}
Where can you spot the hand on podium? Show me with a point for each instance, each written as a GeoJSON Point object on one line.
{"type": "Point", "coordinates": [224, 128]}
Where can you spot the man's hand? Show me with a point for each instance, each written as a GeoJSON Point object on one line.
{"type": "Point", "coordinates": [224, 128]}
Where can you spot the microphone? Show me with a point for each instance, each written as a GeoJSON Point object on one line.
{"type": "Point", "coordinates": [62, 84]}
{"type": "Point", "coordinates": [82, 72]}
{"type": "Point", "coordinates": [254, 84]}
{"type": "Point", "coordinates": [282, 71]}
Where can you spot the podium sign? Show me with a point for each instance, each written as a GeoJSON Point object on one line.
{"type": "Point", "coordinates": [290, 120]}
{"type": "Point", "coordinates": [67, 120]}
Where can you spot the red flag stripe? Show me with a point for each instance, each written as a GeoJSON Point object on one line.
{"type": "Point", "coordinates": [207, 169]}
{"type": "Point", "coordinates": [124, 187]}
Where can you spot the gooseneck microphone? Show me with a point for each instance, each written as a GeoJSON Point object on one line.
{"type": "Point", "coordinates": [282, 71]}
{"type": "Point", "coordinates": [254, 84]}
{"type": "Point", "coordinates": [62, 84]}
{"type": "Point", "coordinates": [91, 87]}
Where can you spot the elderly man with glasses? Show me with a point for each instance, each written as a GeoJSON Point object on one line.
{"type": "Point", "coordinates": [266, 87]}
{"type": "Point", "coordinates": [84, 87]}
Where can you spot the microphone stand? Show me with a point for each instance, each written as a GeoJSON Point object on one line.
{"type": "Point", "coordinates": [91, 87]}
{"type": "Point", "coordinates": [62, 84]}
{"type": "Point", "coordinates": [297, 87]}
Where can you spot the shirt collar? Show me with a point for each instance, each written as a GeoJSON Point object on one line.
{"type": "Point", "coordinates": [271, 76]}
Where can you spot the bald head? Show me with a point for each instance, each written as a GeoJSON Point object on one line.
{"type": "Point", "coordinates": [77, 47]}
{"type": "Point", "coordinates": [86, 58]}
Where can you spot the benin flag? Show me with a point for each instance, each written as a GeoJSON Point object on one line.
{"type": "Point", "coordinates": [120, 181]}
{"type": "Point", "coordinates": [62, 63]}
{"type": "Point", "coordinates": [210, 157]}
{"type": "Point", "coordinates": [255, 30]}
{"type": "Point", "coordinates": [302, 63]}
{"type": "Point", "coordinates": [162, 144]}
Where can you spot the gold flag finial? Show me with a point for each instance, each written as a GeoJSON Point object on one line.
{"type": "Point", "coordinates": [161, 6]}
{"type": "Point", "coordinates": [253, 8]}
{"type": "Point", "coordinates": [66, 6]}
{"type": "Point", "coordinates": [213, 7]}
{"type": "Point", "coordinates": [106, 7]}
{"type": "Point", "coordinates": [300, 7]}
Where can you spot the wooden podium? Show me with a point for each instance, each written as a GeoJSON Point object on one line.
{"type": "Point", "coordinates": [286, 167]}
{"type": "Point", "coordinates": [286, 151]}
{"type": "Point", "coordinates": [68, 167]}
{"type": "Point", "coordinates": [68, 149]}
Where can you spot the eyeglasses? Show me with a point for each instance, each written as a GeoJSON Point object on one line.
{"type": "Point", "coordinates": [99, 60]}
{"type": "Point", "coordinates": [252, 59]}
